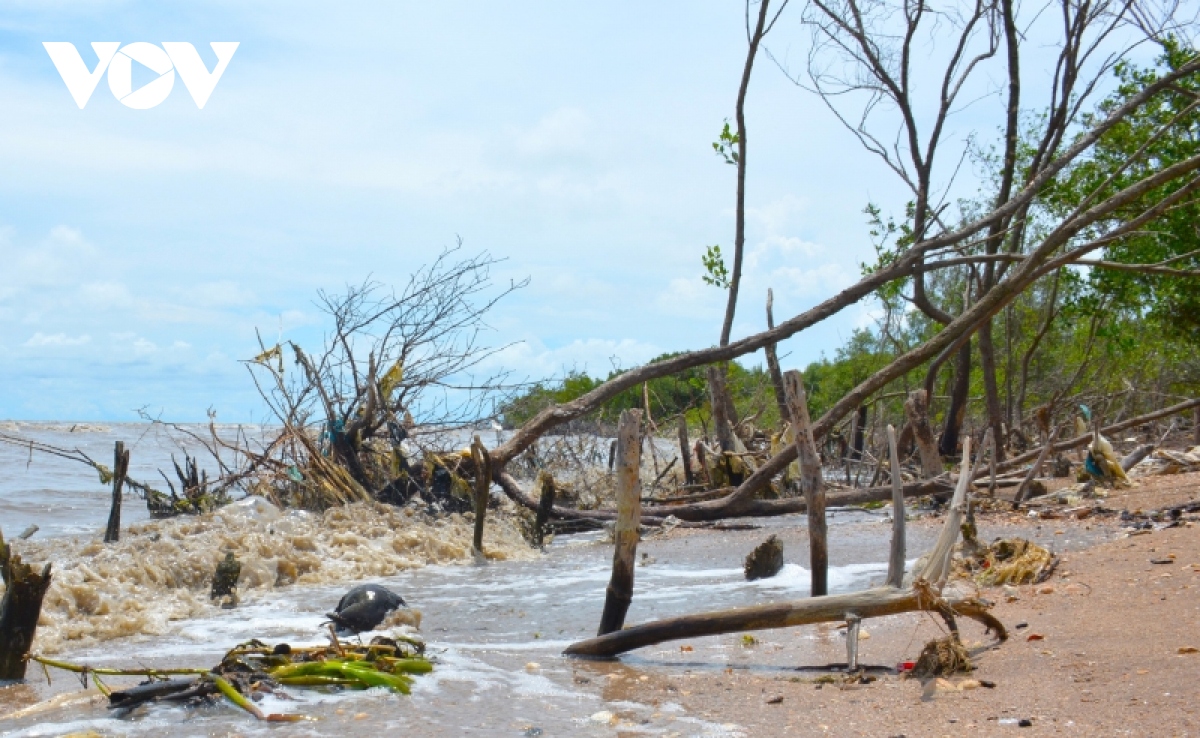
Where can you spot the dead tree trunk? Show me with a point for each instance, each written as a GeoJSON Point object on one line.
{"type": "Point", "coordinates": [544, 508]}
{"type": "Point", "coordinates": [895, 575]}
{"type": "Point", "coordinates": [811, 482]}
{"type": "Point", "coordinates": [19, 610]}
{"type": "Point", "coordinates": [959, 394]}
{"type": "Point", "coordinates": [112, 533]}
{"type": "Point", "coordinates": [483, 484]}
{"type": "Point", "coordinates": [685, 454]}
{"type": "Point", "coordinates": [916, 409]}
{"type": "Point", "coordinates": [858, 437]}
{"type": "Point", "coordinates": [720, 410]}
{"type": "Point", "coordinates": [629, 515]}
{"type": "Point", "coordinates": [925, 594]}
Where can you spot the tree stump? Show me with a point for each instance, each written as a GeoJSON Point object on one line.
{"type": "Point", "coordinates": [544, 508]}
{"type": "Point", "coordinates": [224, 583]}
{"type": "Point", "coordinates": [916, 410]}
{"type": "Point", "coordinates": [112, 533]}
{"type": "Point", "coordinates": [765, 560]}
{"type": "Point", "coordinates": [20, 608]}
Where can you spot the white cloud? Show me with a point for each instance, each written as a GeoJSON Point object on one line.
{"type": "Point", "coordinates": [40, 339]}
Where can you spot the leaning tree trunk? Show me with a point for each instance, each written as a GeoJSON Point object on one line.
{"type": "Point", "coordinates": [924, 594]}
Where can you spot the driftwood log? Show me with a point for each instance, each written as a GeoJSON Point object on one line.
{"type": "Point", "coordinates": [924, 593]}
{"type": "Point", "coordinates": [24, 590]}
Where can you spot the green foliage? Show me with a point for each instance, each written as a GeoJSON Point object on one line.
{"type": "Point", "coordinates": [1168, 129]}
{"type": "Point", "coordinates": [726, 144]}
{"type": "Point", "coordinates": [715, 272]}
{"type": "Point", "coordinates": [828, 381]}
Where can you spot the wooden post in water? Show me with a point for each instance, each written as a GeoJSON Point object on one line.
{"type": "Point", "coordinates": [685, 454]}
{"type": "Point", "coordinates": [545, 505]}
{"type": "Point", "coordinates": [811, 483]}
{"type": "Point", "coordinates": [483, 485]}
{"type": "Point", "coordinates": [916, 409]}
{"type": "Point", "coordinates": [112, 533]}
{"type": "Point", "coordinates": [19, 610]}
{"type": "Point", "coordinates": [895, 575]}
{"type": "Point", "coordinates": [629, 515]}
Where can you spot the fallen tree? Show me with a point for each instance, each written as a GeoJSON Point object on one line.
{"type": "Point", "coordinates": [924, 593]}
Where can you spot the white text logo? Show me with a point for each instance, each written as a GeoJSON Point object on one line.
{"type": "Point", "coordinates": [171, 57]}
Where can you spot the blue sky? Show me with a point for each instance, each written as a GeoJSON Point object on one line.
{"type": "Point", "coordinates": [142, 248]}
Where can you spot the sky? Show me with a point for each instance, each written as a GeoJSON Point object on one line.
{"type": "Point", "coordinates": [143, 249]}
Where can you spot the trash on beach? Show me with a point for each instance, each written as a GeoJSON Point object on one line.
{"type": "Point", "coordinates": [254, 668]}
{"type": "Point", "coordinates": [942, 657]}
{"type": "Point", "coordinates": [1008, 561]}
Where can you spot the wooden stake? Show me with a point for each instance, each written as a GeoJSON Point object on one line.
{"type": "Point", "coordinates": [112, 533]}
{"type": "Point", "coordinates": [895, 575]}
{"type": "Point", "coordinates": [853, 625]}
{"type": "Point", "coordinates": [916, 409]}
{"type": "Point", "coordinates": [811, 483]}
{"type": "Point", "coordinates": [19, 610]}
{"type": "Point", "coordinates": [483, 483]}
{"type": "Point", "coordinates": [629, 516]}
{"type": "Point", "coordinates": [545, 505]}
{"type": "Point", "coordinates": [685, 454]}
